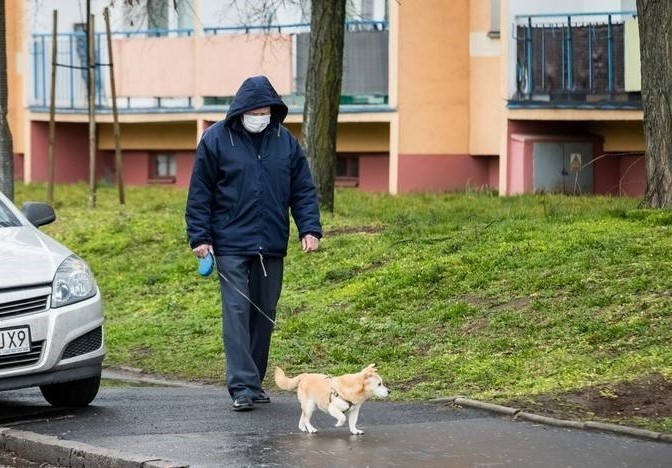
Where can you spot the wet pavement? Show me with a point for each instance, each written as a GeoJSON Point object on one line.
{"type": "Point", "coordinates": [195, 426]}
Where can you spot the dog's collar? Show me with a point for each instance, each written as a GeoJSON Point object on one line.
{"type": "Point", "coordinates": [335, 394]}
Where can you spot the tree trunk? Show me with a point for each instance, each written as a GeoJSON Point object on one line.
{"type": "Point", "coordinates": [323, 93]}
{"type": "Point", "coordinates": [655, 36]}
{"type": "Point", "coordinates": [6, 146]}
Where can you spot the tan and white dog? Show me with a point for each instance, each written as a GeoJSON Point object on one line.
{"type": "Point", "coordinates": [337, 396]}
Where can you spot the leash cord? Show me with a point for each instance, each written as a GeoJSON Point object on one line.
{"type": "Point", "coordinates": [247, 298]}
{"type": "Point", "coordinates": [291, 339]}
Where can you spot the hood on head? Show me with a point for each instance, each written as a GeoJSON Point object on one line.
{"type": "Point", "coordinates": [256, 92]}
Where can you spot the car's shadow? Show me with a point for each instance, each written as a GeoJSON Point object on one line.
{"type": "Point", "coordinates": [26, 406]}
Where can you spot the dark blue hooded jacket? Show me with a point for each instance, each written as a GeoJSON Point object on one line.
{"type": "Point", "coordinates": [239, 199]}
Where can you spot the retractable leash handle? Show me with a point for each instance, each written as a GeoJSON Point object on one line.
{"type": "Point", "coordinates": [206, 264]}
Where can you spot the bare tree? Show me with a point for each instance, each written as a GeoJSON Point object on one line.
{"type": "Point", "coordinates": [323, 93]}
{"type": "Point", "coordinates": [6, 146]}
{"type": "Point", "coordinates": [150, 14]}
{"type": "Point", "coordinates": [655, 35]}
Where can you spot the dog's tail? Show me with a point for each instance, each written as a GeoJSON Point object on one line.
{"type": "Point", "coordinates": [284, 382]}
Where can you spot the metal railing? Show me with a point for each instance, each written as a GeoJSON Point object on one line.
{"type": "Point", "coordinates": [71, 91]}
{"type": "Point", "coordinates": [358, 25]}
{"type": "Point", "coordinates": [571, 59]}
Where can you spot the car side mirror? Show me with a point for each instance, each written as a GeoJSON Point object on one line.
{"type": "Point", "coordinates": [38, 213]}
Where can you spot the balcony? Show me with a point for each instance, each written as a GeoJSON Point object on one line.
{"type": "Point", "coordinates": [582, 60]}
{"type": "Point", "coordinates": [173, 71]}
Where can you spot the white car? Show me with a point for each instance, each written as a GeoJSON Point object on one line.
{"type": "Point", "coordinates": [51, 313]}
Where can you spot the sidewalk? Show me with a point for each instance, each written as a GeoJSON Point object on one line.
{"type": "Point", "coordinates": [193, 426]}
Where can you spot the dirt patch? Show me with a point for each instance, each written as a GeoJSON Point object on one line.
{"type": "Point", "coordinates": [648, 398]}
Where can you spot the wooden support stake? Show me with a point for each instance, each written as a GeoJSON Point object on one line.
{"type": "Point", "coordinates": [117, 133]}
{"type": "Point", "coordinates": [52, 110]}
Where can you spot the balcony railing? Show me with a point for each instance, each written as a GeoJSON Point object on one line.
{"type": "Point", "coordinates": [284, 48]}
{"type": "Point", "coordinates": [573, 60]}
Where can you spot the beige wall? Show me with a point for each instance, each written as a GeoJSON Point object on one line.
{"type": "Point", "coordinates": [150, 136]}
{"type": "Point", "coordinates": [363, 137]}
{"type": "Point", "coordinates": [16, 81]}
{"type": "Point", "coordinates": [200, 65]}
{"type": "Point", "coordinates": [154, 67]}
{"type": "Point", "coordinates": [484, 82]}
{"type": "Point", "coordinates": [353, 137]}
{"type": "Point", "coordinates": [228, 60]}
{"type": "Point", "coordinates": [620, 136]}
{"type": "Point", "coordinates": [433, 77]}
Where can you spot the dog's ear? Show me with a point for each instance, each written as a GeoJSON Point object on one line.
{"type": "Point", "coordinates": [370, 369]}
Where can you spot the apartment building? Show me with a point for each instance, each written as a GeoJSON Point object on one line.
{"type": "Point", "coordinates": [438, 95]}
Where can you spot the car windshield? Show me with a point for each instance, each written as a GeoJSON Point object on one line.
{"type": "Point", "coordinates": [7, 218]}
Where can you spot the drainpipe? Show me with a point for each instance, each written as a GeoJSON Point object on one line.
{"type": "Point", "coordinates": [570, 74]}
{"type": "Point", "coordinates": [528, 52]}
{"type": "Point", "coordinates": [610, 54]}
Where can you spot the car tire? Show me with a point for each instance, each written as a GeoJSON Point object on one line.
{"type": "Point", "coordinates": [75, 393]}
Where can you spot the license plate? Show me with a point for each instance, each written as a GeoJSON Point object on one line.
{"type": "Point", "coordinates": [14, 340]}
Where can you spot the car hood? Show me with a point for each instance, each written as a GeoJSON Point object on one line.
{"type": "Point", "coordinates": [28, 257]}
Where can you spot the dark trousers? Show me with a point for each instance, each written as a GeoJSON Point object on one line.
{"type": "Point", "coordinates": [246, 331]}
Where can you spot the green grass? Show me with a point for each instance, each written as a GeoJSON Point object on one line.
{"type": "Point", "coordinates": [494, 298]}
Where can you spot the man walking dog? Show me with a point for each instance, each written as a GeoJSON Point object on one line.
{"type": "Point", "coordinates": [249, 172]}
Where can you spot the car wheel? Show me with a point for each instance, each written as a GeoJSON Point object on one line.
{"type": "Point", "coordinates": [75, 393]}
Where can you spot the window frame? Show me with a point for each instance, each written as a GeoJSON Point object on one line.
{"type": "Point", "coordinates": [171, 164]}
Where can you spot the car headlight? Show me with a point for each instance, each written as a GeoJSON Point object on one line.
{"type": "Point", "coordinates": [73, 282]}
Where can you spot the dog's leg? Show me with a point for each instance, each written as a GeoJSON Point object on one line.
{"type": "Point", "coordinates": [307, 409]}
{"type": "Point", "coordinates": [337, 413]}
{"type": "Point", "coordinates": [352, 420]}
{"type": "Point", "coordinates": [302, 422]}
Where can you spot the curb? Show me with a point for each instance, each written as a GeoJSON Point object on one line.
{"type": "Point", "coordinates": [516, 413]}
{"type": "Point", "coordinates": [64, 453]}
{"type": "Point", "coordinates": [70, 454]}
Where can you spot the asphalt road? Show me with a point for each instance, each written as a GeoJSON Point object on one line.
{"type": "Point", "coordinates": [195, 426]}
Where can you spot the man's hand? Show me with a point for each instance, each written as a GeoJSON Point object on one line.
{"type": "Point", "coordinates": [202, 250]}
{"type": "Point", "coordinates": [310, 243]}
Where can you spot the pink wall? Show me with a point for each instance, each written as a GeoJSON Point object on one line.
{"type": "Point", "coordinates": [374, 173]}
{"type": "Point", "coordinates": [185, 163]}
{"type": "Point", "coordinates": [620, 175]}
{"type": "Point", "coordinates": [493, 171]}
{"type": "Point", "coordinates": [520, 166]}
{"type": "Point", "coordinates": [632, 170]}
{"type": "Point", "coordinates": [136, 167]}
{"type": "Point", "coordinates": [606, 172]}
{"type": "Point", "coordinates": [71, 152]}
{"type": "Point", "coordinates": [18, 167]}
{"type": "Point", "coordinates": [442, 173]}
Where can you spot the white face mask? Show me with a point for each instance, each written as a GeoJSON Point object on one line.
{"type": "Point", "coordinates": [256, 123]}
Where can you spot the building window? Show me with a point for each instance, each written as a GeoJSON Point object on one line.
{"type": "Point", "coordinates": [162, 168]}
{"type": "Point", "coordinates": [347, 171]}
{"type": "Point", "coordinates": [494, 19]}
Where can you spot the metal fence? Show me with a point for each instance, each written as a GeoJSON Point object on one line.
{"type": "Point", "coordinates": [365, 80]}
{"type": "Point", "coordinates": [573, 58]}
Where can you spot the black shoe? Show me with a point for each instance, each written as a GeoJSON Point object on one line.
{"type": "Point", "coordinates": [262, 397]}
{"type": "Point", "coordinates": [242, 403]}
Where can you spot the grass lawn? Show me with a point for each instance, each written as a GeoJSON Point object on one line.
{"type": "Point", "coordinates": [526, 299]}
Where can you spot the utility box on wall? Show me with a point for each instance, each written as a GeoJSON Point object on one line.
{"type": "Point", "coordinates": [562, 167]}
{"type": "Point", "coordinates": [551, 164]}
